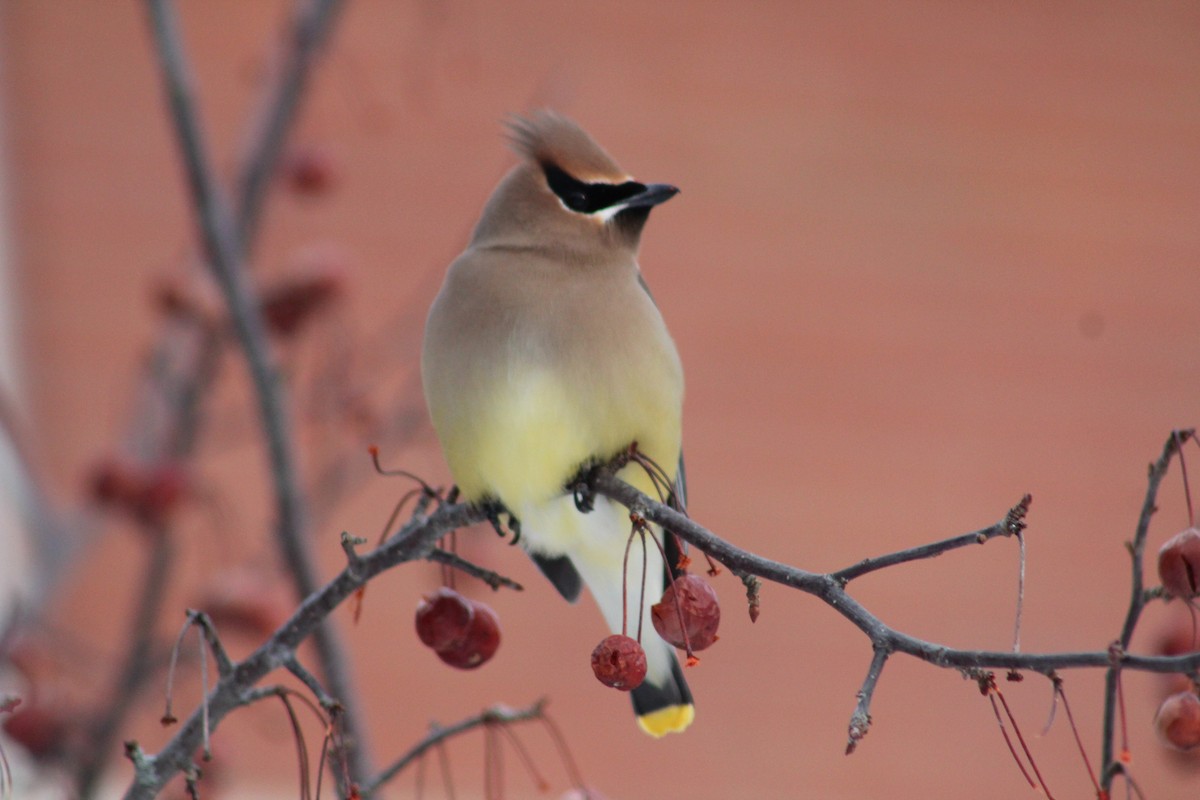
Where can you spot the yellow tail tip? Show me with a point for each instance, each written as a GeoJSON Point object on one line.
{"type": "Point", "coordinates": [672, 719]}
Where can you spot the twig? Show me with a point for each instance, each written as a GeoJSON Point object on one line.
{"type": "Point", "coordinates": [312, 25]}
{"type": "Point", "coordinates": [414, 541]}
{"type": "Point", "coordinates": [1012, 524]}
{"type": "Point", "coordinates": [209, 631]}
{"type": "Point", "coordinates": [860, 720]}
{"type": "Point", "coordinates": [492, 579]}
{"type": "Point", "coordinates": [1137, 600]}
{"type": "Point", "coordinates": [828, 588]}
{"type": "Point", "coordinates": [224, 243]}
{"type": "Point", "coordinates": [417, 540]}
{"type": "Point", "coordinates": [502, 715]}
{"type": "Point", "coordinates": [314, 685]}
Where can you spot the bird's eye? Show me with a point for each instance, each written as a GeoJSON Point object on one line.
{"type": "Point", "coordinates": [572, 192]}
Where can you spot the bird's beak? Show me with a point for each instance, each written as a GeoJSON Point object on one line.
{"type": "Point", "coordinates": [652, 195]}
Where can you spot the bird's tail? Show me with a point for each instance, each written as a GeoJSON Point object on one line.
{"type": "Point", "coordinates": [664, 707]}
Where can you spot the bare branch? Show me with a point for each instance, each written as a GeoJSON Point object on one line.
{"type": "Point", "coordinates": [312, 24]}
{"type": "Point", "coordinates": [1013, 523]}
{"type": "Point", "coordinates": [1137, 599]}
{"type": "Point", "coordinates": [205, 623]}
{"type": "Point", "coordinates": [496, 715]}
{"type": "Point", "coordinates": [414, 541]}
{"type": "Point", "coordinates": [860, 720]}
{"type": "Point", "coordinates": [828, 589]}
{"type": "Point", "coordinates": [224, 243]}
{"type": "Point", "coordinates": [492, 579]}
{"type": "Point", "coordinates": [314, 685]}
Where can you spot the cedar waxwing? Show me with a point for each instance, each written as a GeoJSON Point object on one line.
{"type": "Point", "coordinates": [545, 354]}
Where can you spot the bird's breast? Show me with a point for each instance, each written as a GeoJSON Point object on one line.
{"type": "Point", "coordinates": [526, 388]}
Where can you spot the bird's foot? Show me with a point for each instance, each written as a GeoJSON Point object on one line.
{"type": "Point", "coordinates": [501, 519]}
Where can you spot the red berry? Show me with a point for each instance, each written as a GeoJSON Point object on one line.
{"type": "Point", "coordinates": [1178, 721]}
{"type": "Point", "coordinates": [1179, 564]}
{"type": "Point", "coordinates": [443, 618]}
{"type": "Point", "coordinates": [692, 602]}
{"type": "Point", "coordinates": [151, 493]}
{"type": "Point", "coordinates": [478, 644]}
{"type": "Point", "coordinates": [316, 280]}
{"type": "Point", "coordinates": [40, 729]}
{"type": "Point", "coordinates": [619, 662]}
{"type": "Point", "coordinates": [310, 169]}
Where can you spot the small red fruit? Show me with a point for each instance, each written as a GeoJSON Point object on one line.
{"type": "Point", "coordinates": [443, 618]}
{"type": "Point", "coordinates": [620, 662]}
{"type": "Point", "coordinates": [316, 280]}
{"type": "Point", "coordinates": [479, 642]}
{"type": "Point", "coordinates": [1179, 564]}
{"type": "Point", "coordinates": [149, 493]}
{"type": "Point", "coordinates": [40, 729]}
{"type": "Point", "coordinates": [689, 604]}
{"type": "Point", "coordinates": [1178, 721]}
{"type": "Point", "coordinates": [310, 169]}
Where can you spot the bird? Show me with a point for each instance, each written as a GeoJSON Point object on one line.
{"type": "Point", "coordinates": [544, 353]}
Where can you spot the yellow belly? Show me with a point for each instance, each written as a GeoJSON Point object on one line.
{"type": "Point", "coordinates": [526, 438]}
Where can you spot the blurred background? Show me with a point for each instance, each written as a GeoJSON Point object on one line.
{"type": "Point", "coordinates": [928, 256]}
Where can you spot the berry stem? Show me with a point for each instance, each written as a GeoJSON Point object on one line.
{"type": "Point", "coordinates": [692, 660]}
{"type": "Point", "coordinates": [625, 585]}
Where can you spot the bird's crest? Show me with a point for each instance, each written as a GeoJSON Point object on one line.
{"type": "Point", "coordinates": [548, 138]}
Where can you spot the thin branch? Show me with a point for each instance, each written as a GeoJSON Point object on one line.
{"type": "Point", "coordinates": [860, 720]}
{"type": "Point", "coordinates": [417, 540]}
{"type": "Point", "coordinates": [224, 243]}
{"type": "Point", "coordinates": [312, 24]}
{"type": "Point", "coordinates": [1137, 599]}
{"type": "Point", "coordinates": [828, 589]}
{"type": "Point", "coordinates": [496, 715]}
{"type": "Point", "coordinates": [492, 579]}
{"type": "Point", "coordinates": [1012, 524]}
{"type": "Point", "coordinates": [314, 685]}
{"type": "Point", "coordinates": [209, 630]}
{"type": "Point", "coordinates": [414, 542]}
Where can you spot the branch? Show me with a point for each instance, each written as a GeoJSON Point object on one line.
{"type": "Point", "coordinates": [496, 715]}
{"type": "Point", "coordinates": [492, 579]}
{"type": "Point", "coordinates": [416, 540]}
{"type": "Point", "coordinates": [860, 720]}
{"type": "Point", "coordinates": [829, 589]}
{"type": "Point", "coordinates": [312, 24]}
{"type": "Point", "coordinates": [224, 243]}
{"type": "Point", "coordinates": [1137, 600]}
{"type": "Point", "coordinates": [1012, 524]}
